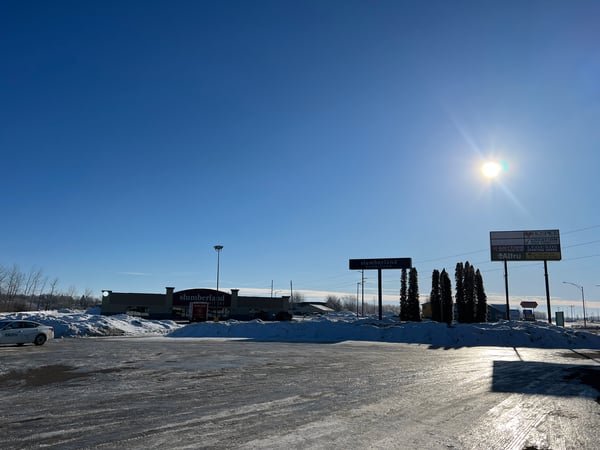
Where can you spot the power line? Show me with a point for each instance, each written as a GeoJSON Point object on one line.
{"type": "Point", "coordinates": [345, 284]}
{"type": "Point", "coordinates": [452, 256]}
{"type": "Point", "coordinates": [582, 243]}
{"type": "Point", "coordinates": [441, 258]}
{"type": "Point", "coordinates": [581, 229]}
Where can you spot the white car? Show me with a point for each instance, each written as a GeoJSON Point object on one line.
{"type": "Point", "coordinates": [24, 332]}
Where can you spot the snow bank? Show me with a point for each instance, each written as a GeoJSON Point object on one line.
{"type": "Point", "coordinates": [334, 327]}
{"type": "Point", "coordinates": [69, 323]}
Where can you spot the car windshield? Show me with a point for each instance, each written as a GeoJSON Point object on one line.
{"type": "Point", "coordinates": [4, 323]}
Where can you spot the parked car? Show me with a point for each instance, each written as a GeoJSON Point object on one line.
{"type": "Point", "coordinates": [24, 332]}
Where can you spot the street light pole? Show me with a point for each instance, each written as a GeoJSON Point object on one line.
{"type": "Point", "coordinates": [362, 311]}
{"type": "Point", "coordinates": [218, 248]}
{"type": "Point", "coordinates": [357, 288]}
{"type": "Point", "coordinates": [582, 300]}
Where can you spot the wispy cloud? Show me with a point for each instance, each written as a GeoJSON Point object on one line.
{"type": "Point", "coordinates": [136, 274]}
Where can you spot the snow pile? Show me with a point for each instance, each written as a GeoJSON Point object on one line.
{"type": "Point", "coordinates": [335, 327]}
{"type": "Point", "coordinates": [69, 323]}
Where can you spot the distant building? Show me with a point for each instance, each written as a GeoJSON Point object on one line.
{"type": "Point", "coordinates": [266, 308]}
{"type": "Point", "coordinates": [426, 310]}
{"type": "Point", "coordinates": [175, 305]}
{"type": "Point", "coordinates": [310, 308]}
{"type": "Point", "coordinates": [155, 306]}
{"type": "Point", "coordinates": [498, 312]}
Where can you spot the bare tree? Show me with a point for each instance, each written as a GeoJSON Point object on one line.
{"type": "Point", "coordinates": [87, 299]}
{"type": "Point", "coordinates": [3, 275]}
{"type": "Point", "coordinates": [14, 284]}
{"type": "Point", "coordinates": [71, 292]}
{"type": "Point", "coordinates": [333, 302]}
{"type": "Point", "coordinates": [53, 285]}
{"type": "Point", "coordinates": [41, 294]}
{"type": "Point", "coordinates": [349, 303]}
{"type": "Point", "coordinates": [372, 307]}
{"type": "Point", "coordinates": [32, 282]}
{"type": "Point", "coordinates": [298, 297]}
{"type": "Point", "coordinates": [50, 297]}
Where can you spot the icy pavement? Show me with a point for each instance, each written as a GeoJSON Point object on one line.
{"type": "Point", "coordinates": [158, 392]}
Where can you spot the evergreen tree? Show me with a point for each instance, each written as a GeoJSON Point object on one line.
{"type": "Point", "coordinates": [481, 298]}
{"type": "Point", "coordinates": [403, 297]}
{"type": "Point", "coordinates": [460, 292]}
{"type": "Point", "coordinates": [447, 309]}
{"type": "Point", "coordinates": [435, 299]}
{"type": "Point", "coordinates": [414, 307]}
{"type": "Point", "coordinates": [469, 293]}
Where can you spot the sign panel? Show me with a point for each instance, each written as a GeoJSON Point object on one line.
{"type": "Point", "coordinates": [529, 305]}
{"type": "Point", "coordinates": [534, 245]}
{"type": "Point", "coordinates": [380, 263]}
{"type": "Point", "coordinates": [215, 299]}
{"type": "Point", "coordinates": [528, 315]}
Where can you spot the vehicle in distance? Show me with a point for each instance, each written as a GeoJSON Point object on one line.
{"type": "Point", "coordinates": [24, 332]}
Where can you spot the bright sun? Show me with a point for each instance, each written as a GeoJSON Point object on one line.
{"type": "Point", "coordinates": [491, 169]}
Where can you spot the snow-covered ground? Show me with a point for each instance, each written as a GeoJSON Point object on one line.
{"type": "Point", "coordinates": [330, 328]}
{"type": "Point", "coordinates": [70, 323]}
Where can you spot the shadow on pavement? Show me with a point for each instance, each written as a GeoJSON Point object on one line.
{"type": "Point", "coordinates": [527, 377]}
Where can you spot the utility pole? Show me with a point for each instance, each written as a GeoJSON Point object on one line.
{"type": "Point", "coordinates": [572, 318]}
{"type": "Point", "coordinates": [582, 300]}
{"type": "Point", "coordinates": [506, 290]}
{"type": "Point", "coordinates": [357, 286]}
{"type": "Point", "coordinates": [218, 249]}
{"type": "Point", "coordinates": [363, 293]}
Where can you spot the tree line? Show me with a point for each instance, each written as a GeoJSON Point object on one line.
{"type": "Point", "coordinates": [408, 310]}
{"type": "Point", "coordinates": [349, 303]}
{"type": "Point", "coordinates": [26, 291]}
{"type": "Point", "coordinates": [470, 298]}
{"type": "Point", "coordinates": [468, 305]}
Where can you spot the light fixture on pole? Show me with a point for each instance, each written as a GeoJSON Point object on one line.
{"type": "Point", "coordinates": [582, 299]}
{"type": "Point", "coordinates": [218, 248]}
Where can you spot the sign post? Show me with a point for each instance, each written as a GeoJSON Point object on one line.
{"type": "Point", "coordinates": [547, 291]}
{"type": "Point", "coordinates": [379, 264]}
{"type": "Point", "coordinates": [506, 290]}
{"type": "Point", "coordinates": [532, 245]}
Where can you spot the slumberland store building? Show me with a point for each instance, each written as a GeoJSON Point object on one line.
{"type": "Point", "coordinates": [174, 305]}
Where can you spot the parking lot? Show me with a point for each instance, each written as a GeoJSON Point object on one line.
{"type": "Point", "coordinates": [212, 393]}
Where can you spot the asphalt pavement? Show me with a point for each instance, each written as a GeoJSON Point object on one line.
{"type": "Point", "coordinates": [165, 393]}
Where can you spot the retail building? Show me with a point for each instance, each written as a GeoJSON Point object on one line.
{"type": "Point", "coordinates": [175, 305]}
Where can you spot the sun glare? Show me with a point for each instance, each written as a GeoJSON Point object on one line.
{"type": "Point", "coordinates": [491, 169]}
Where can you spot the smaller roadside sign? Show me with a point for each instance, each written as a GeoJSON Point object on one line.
{"type": "Point", "coordinates": [380, 263]}
{"type": "Point", "coordinates": [528, 315]}
{"type": "Point", "coordinates": [531, 305]}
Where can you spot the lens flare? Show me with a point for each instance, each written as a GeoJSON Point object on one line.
{"type": "Point", "coordinates": [491, 169]}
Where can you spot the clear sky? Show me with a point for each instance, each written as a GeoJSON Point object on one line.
{"type": "Point", "coordinates": [136, 135]}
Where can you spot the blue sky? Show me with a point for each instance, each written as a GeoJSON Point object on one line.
{"type": "Point", "coordinates": [138, 134]}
